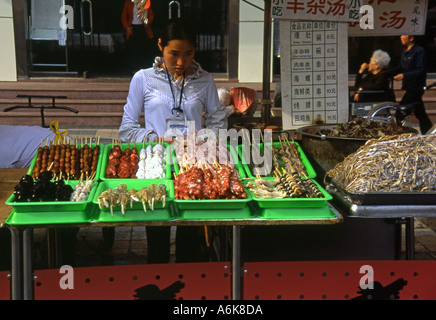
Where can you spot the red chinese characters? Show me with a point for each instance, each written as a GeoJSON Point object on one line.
{"type": "Point", "coordinates": [336, 8]}
{"type": "Point", "coordinates": [295, 6]}
{"type": "Point", "coordinates": [318, 7]}
{"type": "Point", "coordinates": [393, 20]}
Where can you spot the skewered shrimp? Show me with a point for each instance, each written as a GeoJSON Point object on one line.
{"type": "Point", "coordinates": [161, 193]}
{"type": "Point", "coordinates": [143, 196]}
{"type": "Point", "coordinates": [152, 188]}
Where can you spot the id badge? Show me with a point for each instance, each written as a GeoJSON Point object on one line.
{"type": "Point", "coordinates": [175, 126]}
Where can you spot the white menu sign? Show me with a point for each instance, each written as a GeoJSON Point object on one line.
{"type": "Point", "coordinates": [314, 72]}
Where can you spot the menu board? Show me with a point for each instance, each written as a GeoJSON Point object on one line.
{"type": "Point", "coordinates": [314, 72]}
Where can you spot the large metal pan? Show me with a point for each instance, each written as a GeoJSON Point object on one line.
{"type": "Point", "coordinates": [326, 151]}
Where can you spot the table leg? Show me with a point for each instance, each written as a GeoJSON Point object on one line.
{"type": "Point", "coordinates": [410, 238]}
{"type": "Point", "coordinates": [16, 275]}
{"type": "Point", "coordinates": [236, 263]}
{"type": "Point", "coordinates": [27, 265]}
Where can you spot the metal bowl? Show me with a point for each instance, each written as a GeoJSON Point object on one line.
{"type": "Point", "coordinates": [326, 151]}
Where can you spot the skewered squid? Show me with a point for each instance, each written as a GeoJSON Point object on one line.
{"type": "Point", "coordinates": [120, 196]}
{"type": "Point", "coordinates": [112, 198]}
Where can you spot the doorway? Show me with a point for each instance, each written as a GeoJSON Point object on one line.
{"type": "Point", "coordinates": [96, 45]}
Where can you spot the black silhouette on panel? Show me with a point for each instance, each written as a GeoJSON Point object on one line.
{"type": "Point", "coordinates": [390, 292]}
{"type": "Point", "coordinates": [152, 292]}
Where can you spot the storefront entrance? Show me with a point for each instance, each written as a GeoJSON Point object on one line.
{"type": "Point", "coordinates": [95, 45]}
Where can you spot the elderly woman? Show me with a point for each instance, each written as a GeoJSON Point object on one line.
{"type": "Point", "coordinates": [374, 76]}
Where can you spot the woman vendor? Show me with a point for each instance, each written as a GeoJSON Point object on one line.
{"type": "Point", "coordinates": [172, 92]}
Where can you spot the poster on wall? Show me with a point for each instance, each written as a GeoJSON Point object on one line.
{"type": "Point", "coordinates": [365, 17]}
{"type": "Point", "coordinates": [314, 72]}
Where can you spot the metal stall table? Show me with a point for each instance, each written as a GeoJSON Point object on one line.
{"type": "Point", "coordinates": [244, 218]}
{"type": "Point", "coordinates": [8, 179]}
{"type": "Point", "coordinates": [403, 213]}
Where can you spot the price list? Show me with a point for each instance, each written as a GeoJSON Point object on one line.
{"type": "Point", "coordinates": [314, 72]}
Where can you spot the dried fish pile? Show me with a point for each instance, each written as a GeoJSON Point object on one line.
{"type": "Point", "coordinates": [404, 163]}
{"type": "Point", "coordinates": [367, 129]}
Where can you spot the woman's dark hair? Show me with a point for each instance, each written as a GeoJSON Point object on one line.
{"type": "Point", "coordinates": [178, 29]}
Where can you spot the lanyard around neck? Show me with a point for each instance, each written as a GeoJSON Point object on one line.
{"type": "Point", "coordinates": [175, 109]}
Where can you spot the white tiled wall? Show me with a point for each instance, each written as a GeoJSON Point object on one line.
{"type": "Point", "coordinates": [8, 70]}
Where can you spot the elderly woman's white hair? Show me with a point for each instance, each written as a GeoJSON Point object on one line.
{"type": "Point", "coordinates": [382, 58]}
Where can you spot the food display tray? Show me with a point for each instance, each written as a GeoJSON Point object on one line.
{"type": "Point", "coordinates": [386, 198]}
{"type": "Point", "coordinates": [287, 203]}
{"type": "Point", "coordinates": [169, 159]}
{"type": "Point", "coordinates": [297, 213]}
{"type": "Point", "coordinates": [214, 214]}
{"type": "Point", "coordinates": [207, 204]}
{"type": "Point", "coordinates": [50, 218]}
{"type": "Point", "coordinates": [135, 184]}
{"type": "Point", "coordinates": [53, 207]}
{"type": "Point", "coordinates": [245, 162]}
{"type": "Point", "coordinates": [132, 215]}
{"type": "Point", "coordinates": [92, 145]}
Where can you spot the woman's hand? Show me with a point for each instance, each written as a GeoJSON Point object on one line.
{"type": "Point", "coordinates": [129, 32]}
{"type": "Point", "coordinates": [363, 67]}
{"type": "Point", "coordinates": [399, 77]}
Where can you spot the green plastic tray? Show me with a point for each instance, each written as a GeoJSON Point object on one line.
{"type": "Point", "coordinates": [133, 215]}
{"type": "Point", "coordinates": [293, 202]}
{"type": "Point", "coordinates": [49, 218]}
{"type": "Point", "coordinates": [245, 163]}
{"type": "Point", "coordinates": [169, 159]}
{"type": "Point", "coordinates": [297, 213]}
{"type": "Point", "coordinates": [53, 207]}
{"type": "Point", "coordinates": [135, 184]}
{"type": "Point", "coordinates": [213, 203]}
{"type": "Point", "coordinates": [206, 214]}
{"type": "Point", "coordinates": [97, 169]}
